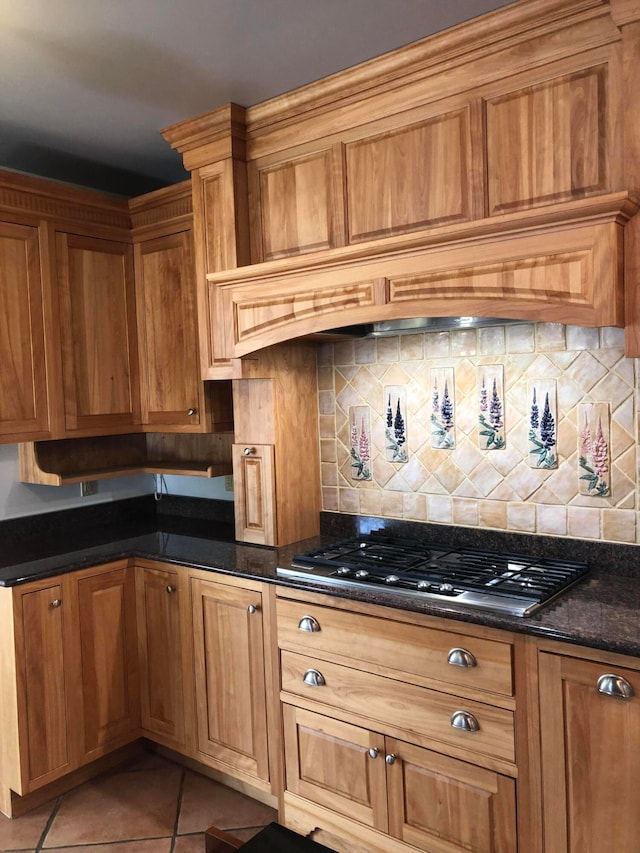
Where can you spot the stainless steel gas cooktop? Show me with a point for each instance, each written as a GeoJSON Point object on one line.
{"type": "Point", "coordinates": [517, 584]}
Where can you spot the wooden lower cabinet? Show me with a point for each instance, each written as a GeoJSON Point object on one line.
{"type": "Point", "coordinates": [162, 599]}
{"type": "Point", "coordinates": [431, 801]}
{"type": "Point", "coordinates": [590, 749]}
{"type": "Point", "coordinates": [254, 487]}
{"type": "Point", "coordinates": [229, 671]}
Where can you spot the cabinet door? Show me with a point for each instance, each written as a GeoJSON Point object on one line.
{"type": "Point", "coordinates": [108, 648]}
{"type": "Point", "coordinates": [438, 803]}
{"type": "Point", "coordinates": [336, 765]}
{"type": "Point", "coordinates": [41, 614]}
{"type": "Point", "coordinates": [590, 748]}
{"type": "Point", "coordinates": [254, 487]}
{"type": "Point", "coordinates": [160, 645]}
{"type": "Point", "coordinates": [23, 381]}
{"type": "Point", "coordinates": [98, 335]}
{"type": "Point", "coordinates": [229, 675]}
{"type": "Point", "coordinates": [172, 393]}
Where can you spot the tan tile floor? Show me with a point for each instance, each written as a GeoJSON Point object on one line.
{"type": "Point", "coordinates": [150, 806]}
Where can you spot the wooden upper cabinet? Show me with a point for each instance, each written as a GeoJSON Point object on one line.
{"type": "Point", "coordinates": [172, 392]}
{"type": "Point", "coordinates": [23, 379]}
{"type": "Point", "coordinates": [548, 143]}
{"type": "Point", "coordinates": [98, 335]}
{"type": "Point", "coordinates": [297, 205]}
{"type": "Point", "coordinates": [414, 177]}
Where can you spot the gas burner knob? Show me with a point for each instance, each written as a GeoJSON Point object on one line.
{"type": "Point", "coordinates": [362, 573]}
{"type": "Point", "coordinates": [343, 570]}
{"type": "Point", "coordinates": [391, 579]}
{"type": "Point", "coordinates": [446, 587]}
{"type": "Point", "coordinates": [423, 586]}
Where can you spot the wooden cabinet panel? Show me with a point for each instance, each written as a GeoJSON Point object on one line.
{"type": "Point", "coordinates": [402, 705]}
{"type": "Point", "coordinates": [407, 650]}
{"type": "Point", "coordinates": [46, 751]}
{"type": "Point", "coordinates": [414, 177]}
{"type": "Point", "coordinates": [161, 643]}
{"type": "Point", "coordinates": [590, 744]}
{"type": "Point", "coordinates": [229, 676]}
{"type": "Point", "coordinates": [254, 488]}
{"type": "Point", "coordinates": [108, 648]}
{"type": "Point", "coordinates": [548, 143]}
{"type": "Point", "coordinates": [437, 803]}
{"type": "Point", "coordinates": [98, 333]}
{"type": "Point", "coordinates": [299, 205]}
{"type": "Point", "coordinates": [169, 358]}
{"type": "Point", "coordinates": [23, 380]}
{"type": "Point", "coordinates": [328, 762]}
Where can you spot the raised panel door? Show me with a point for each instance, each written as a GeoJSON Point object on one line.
{"type": "Point", "coordinates": [108, 649]}
{"type": "Point", "coordinates": [160, 644]}
{"type": "Point", "coordinates": [23, 379]}
{"type": "Point", "coordinates": [548, 143]}
{"type": "Point", "coordinates": [41, 630]}
{"type": "Point", "coordinates": [171, 390]}
{"type": "Point", "coordinates": [336, 765]}
{"type": "Point", "coordinates": [98, 335]}
{"type": "Point", "coordinates": [441, 804]}
{"type": "Point", "coordinates": [254, 487]}
{"type": "Point", "coordinates": [590, 748]}
{"type": "Point", "coordinates": [229, 676]}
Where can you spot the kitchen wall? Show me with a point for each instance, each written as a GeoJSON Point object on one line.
{"type": "Point", "coordinates": [477, 452]}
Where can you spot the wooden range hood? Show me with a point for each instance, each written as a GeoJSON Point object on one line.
{"type": "Point", "coordinates": [492, 170]}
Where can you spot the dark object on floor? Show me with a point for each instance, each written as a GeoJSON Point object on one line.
{"type": "Point", "coordinates": [272, 839]}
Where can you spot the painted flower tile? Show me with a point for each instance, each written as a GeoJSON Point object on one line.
{"type": "Point", "coordinates": [543, 423]}
{"type": "Point", "coordinates": [360, 437]}
{"type": "Point", "coordinates": [491, 429]}
{"type": "Point", "coordinates": [443, 434]}
{"type": "Point", "coordinates": [594, 454]}
{"type": "Point", "coordinates": [395, 423]}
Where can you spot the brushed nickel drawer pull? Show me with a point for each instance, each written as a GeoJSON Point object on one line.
{"type": "Point", "coordinates": [615, 685]}
{"type": "Point", "coordinates": [56, 602]}
{"type": "Point", "coordinates": [314, 678]}
{"type": "Point", "coordinates": [391, 758]}
{"type": "Point", "coordinates": [248, 451]}
{"type": "Point", "coordinates": [251, 609]}
{"type": "Point", "coordinates": [374, 752]}
{"type": "Point", "coordinates": [170, 588]}
{"type": "Point", "coordinates": [191, 412]}
{"type": "Point", "coordinates": [465, 721]}
{"type": "Point", "coordinates": [309, 623]}
{"type": "Point", "coordinates": [461, 657]}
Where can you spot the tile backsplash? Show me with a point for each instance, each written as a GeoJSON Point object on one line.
{"type": "Point", "coordinates": [528, 427]}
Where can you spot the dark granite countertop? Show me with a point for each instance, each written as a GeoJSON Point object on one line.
{"type": "Point", "coordinates": [601, 612]}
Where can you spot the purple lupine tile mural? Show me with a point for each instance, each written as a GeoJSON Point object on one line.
{"type": "Point", "coordinates": [360, 441]}
{"type": "Point", "coordinates": [396, 423]}
{"type": "Point", "coordinates": [594, 455]}
{"type": "Point", "coordinates": [443, 434]}
{"type": "Point", "coordinates": [491, 428]}
{"type": "Point", "coordinates": [543, 423]}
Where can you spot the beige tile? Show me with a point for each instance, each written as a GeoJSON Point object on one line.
{"type": "Point", "coordinates": [329, 474]}
{"type": "Point", "coordinates": [349, 500]}
{"type": "Point", "coordinates": [207, 803]}
{"type": "Point", "coordinates": [330, 502]}
{"type": "Point", "coordinates": [188, 843]}
{"type": "Point", "coordinates": [327, 450]}
{"type": "Point", "coordinates": [326, 402]}
{"type": "Point", "coordinates": [365, 351]}
{"type": "Point", "coordinates": [327, 425]}
{"type": "Point", "coordinates": [414, 506]}
{"type": "Point", "coordinates": [437, 344]}
{"type": "Point", "coordinates": [391, 505]}
{"type": "Point", "coordinates": [325, 377]}
{"type": "Point", "coordinates": [611, 336]}
{"type": "Point", "coordinates": [370, 502]}
{"type": "Point", "coordinates": [493, 514]}
{"type": "Point", "coordinates": [324, 353]}
{"type": "Point", "coordinates": [141, 804]}
{"type": "Point", "coordinates": [619, 525]}
{"type": "Point", "coordinates": [552, 520]}
{"type": "Point", "coordinates": [465, 512]}
{"type": "Point", "coordinates": [411, 347]}
{"type": "Point", "coordinates": [343, 352]}
{"type": "Point", "coordinates": [584, 522]}
{"type": "Point", "coordinates": [24, 832]}
{"type": "Point", "coordinates": [581, 337]}
{"type": "Point", "coordinates": [521, 338]}
{"type": "Point", "coordinates": [521, 516]}
{"type": "Point", "coordinates": [439, 509]}
{"type": "Point", "coordinates": [388, 350]}
{"type": "Point", "coordinates": [464, 342]}
{"type": "Point", "coordinates": [150, 845]}
{"type": "Point", "coordinates": [491, 340]}
{"type": "Point", "coordinates": [550, 336]}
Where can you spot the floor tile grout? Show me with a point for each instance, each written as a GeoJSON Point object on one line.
{"type": "Point", "coordinates": [178, 810]}
{"type": "Point", "coordinates": [47, 827]}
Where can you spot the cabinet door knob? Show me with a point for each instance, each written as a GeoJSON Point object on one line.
{"type": "Point", "coordinates": [374, 752]}
{"type": "Point", "coordinates": [251, 609]}
{"type": "Point", "coordinates": [391, 758]}
{"type": "Point", "coordinates": [56, 602]}
{"type": "Point", "coordinates": [314, 678]}
{"type": "Point", "coordinates": [309, 623]}
{"type": "Point", "coordinates": [191, 412]}
{"type": "Point", "coordinates": [614, 685]}
{"type": "Point", "coordinates": [465, 721]}
{"type": "Point", "coordinates": [461, 657]}
{"type": "Point", "coordinates": [248, 451]}
{"type": "Point", "coordinates": [170, 588]}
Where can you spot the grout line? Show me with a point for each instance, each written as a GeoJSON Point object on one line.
{"type": "Point", "coordinates": [178, 809]}
{"type": "Point", "coordinates": [103, 843]}
{"type": "Point", "coordinates": [52, 816]}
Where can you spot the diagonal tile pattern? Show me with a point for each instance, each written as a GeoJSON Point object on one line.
{"type": "Point", "coordinates": [150, 806]}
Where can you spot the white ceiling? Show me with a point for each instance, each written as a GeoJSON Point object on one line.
{"type": "Point", "coordinates": [86, 85]}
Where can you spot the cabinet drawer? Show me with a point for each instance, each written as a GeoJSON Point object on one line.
{"type": "Point", "coordinates": [387, 702]}
{"type": "Point", "coordinates": [407, 650]}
